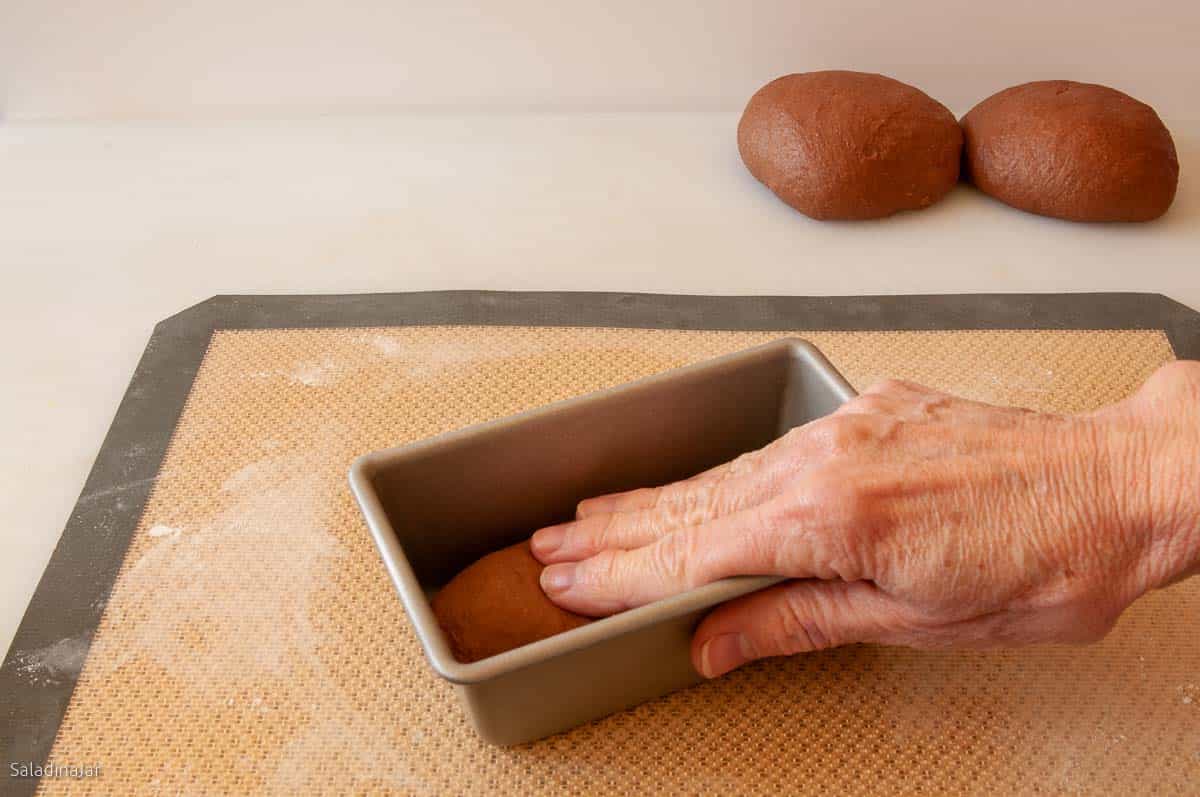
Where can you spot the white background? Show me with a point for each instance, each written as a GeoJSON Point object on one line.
{"type": "Point", "coordinates": [136, 58]}
{"type": "Point", "coordinates": [156, 153]}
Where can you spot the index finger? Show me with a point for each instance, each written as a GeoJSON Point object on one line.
{"type": "Point", "coordinates": [783, 537]}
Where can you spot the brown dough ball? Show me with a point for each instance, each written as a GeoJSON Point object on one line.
{"type": "Point", "coordinates": [850, 145]}
{"type": "Point", "coordinates": [497, 604]}
{"type": "Point", "coordinates": [1074, 151]}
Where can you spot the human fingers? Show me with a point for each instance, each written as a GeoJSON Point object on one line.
{"type": "Point", "coordinates": [684, 504]}
{"type": "Point", "coordinates": [802, 533]}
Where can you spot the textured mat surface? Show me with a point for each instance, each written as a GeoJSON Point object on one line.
{"type": "Point", "coordinates": [252, 641]}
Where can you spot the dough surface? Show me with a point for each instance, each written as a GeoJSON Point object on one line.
{"type": "Point", "coordinates": [1076, 151]}
{"type": "Point", "coordinates": [850, 145]}
{"type": "Point", "coordinates": [497, 604]}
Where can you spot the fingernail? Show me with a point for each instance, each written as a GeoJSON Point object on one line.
{"type": "Point", "coordinates": [593, 506]}
{"type": "Point", "coordinates": [721, 654]}
{"type": "Point", "coordinates": [548, 540]}
{"type": "Point", "coordinates": [557, 579]}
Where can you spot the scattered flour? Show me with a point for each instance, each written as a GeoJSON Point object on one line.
{"type": "Point", "coordinates": [310, 373]}
{"type": "Point", "coordinates": [109, 492]}
{"type": "Point", "coordinates": [314, 374]}
{"type": "Point", "coordinates": [246, 476]}
{"type": "Point", "coordinates": [388, 347]}
{"type": "Point", "coordinates": [423, 360]}
{"type": "Point", "coordinates": [369, 759]}
{"type": "Point", "coordinates": [61, 660]}
{"type": "Point", "coordinates": [1039, 384]}
{"type": "Point", "coordinates": [230, 593]}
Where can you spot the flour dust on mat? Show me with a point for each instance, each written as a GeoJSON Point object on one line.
{"type": "Point", "coordinates": [53, 663]}
{"type": "Point", "coordinates": [216, 586]}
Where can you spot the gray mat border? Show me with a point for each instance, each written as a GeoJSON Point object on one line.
{"type": "Point", "coordinates": [74, 589]}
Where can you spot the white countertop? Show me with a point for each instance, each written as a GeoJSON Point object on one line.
{"type": "Point", "coordinates": [107, 228]}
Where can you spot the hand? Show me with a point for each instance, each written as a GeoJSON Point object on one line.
{"type": "Point", "coordinates": [911, 518]}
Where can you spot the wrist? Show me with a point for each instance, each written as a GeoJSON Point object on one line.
{"type": "Point", "coordinates": [1153, 441]}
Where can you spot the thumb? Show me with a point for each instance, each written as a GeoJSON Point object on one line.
{"type": "Point", "coordinates": [794, 617]}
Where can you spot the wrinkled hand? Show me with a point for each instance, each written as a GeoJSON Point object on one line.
{"type": "Point", "coordinates": [911, 518]}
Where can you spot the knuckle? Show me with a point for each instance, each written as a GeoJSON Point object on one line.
{"type": "Point", "coordinates": [935, 405]}
{"type": "Point", "coordinates": [683, 503]}
{"type": "Point", "coordinates": [605, 579]}
{"type": "Point", "coordinates": [870, 402]}
{"type": "Point", "coordinates": [835, 435]}
{"type": "Point", "coordinates": [668, 558]}
{"type": "Point", "coordinates": [700, 502]}
{"type": "Point", "coordinates": [658, 495]}
{"type": "Point", "coordinates": [692, 498]}
{"type": "Point", "coordinates": [844, 433]}
{"type": "Point", "coordinates": [740, 466]}
{"type": "Point", "coordinates": [889, 387]}
{"type": "Point", "coordinates": [802, 625]}
{"type": "Point", "coordinates": [699, 507]}
{"type": "Point", "coordinates": [853, 434]}
{"type": "Point", "coordinates": [1181, 376]}
{"type": "Point", "coordinates": [604, 532]}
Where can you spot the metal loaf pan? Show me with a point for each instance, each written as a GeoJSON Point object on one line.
{"type": "Point", "coordinates": [437, 505]}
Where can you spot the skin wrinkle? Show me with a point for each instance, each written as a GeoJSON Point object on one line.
{"type": "Point", "coordinates": [683, 561]}
{"type": "Point", "coordinates": [850, 529]}
{"type": "Point", "coordinates": [803, 624]}
{"type": "Point", "coordinates": [803, 526]}
{"type": "Point", "coordinates": [767, 548]}
{"type": "Point", "coordinates": [605, 533]}
{"type": "Point", "coordinates": [1091, 469]}
{"type": "Point", "coordinates": [1131, 538]}
{"type": "Point", "coordinates": [1178, 529]}
{"type": "Point", "coordinates": [1055, 549]}
{"type": "Point", "coordinates": [599, 567]}
{"type": "Point", "coordinates": [807, 538]}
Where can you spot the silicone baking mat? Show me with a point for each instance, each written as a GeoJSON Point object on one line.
{"type": "Point", "coordinates": [216, 620]}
